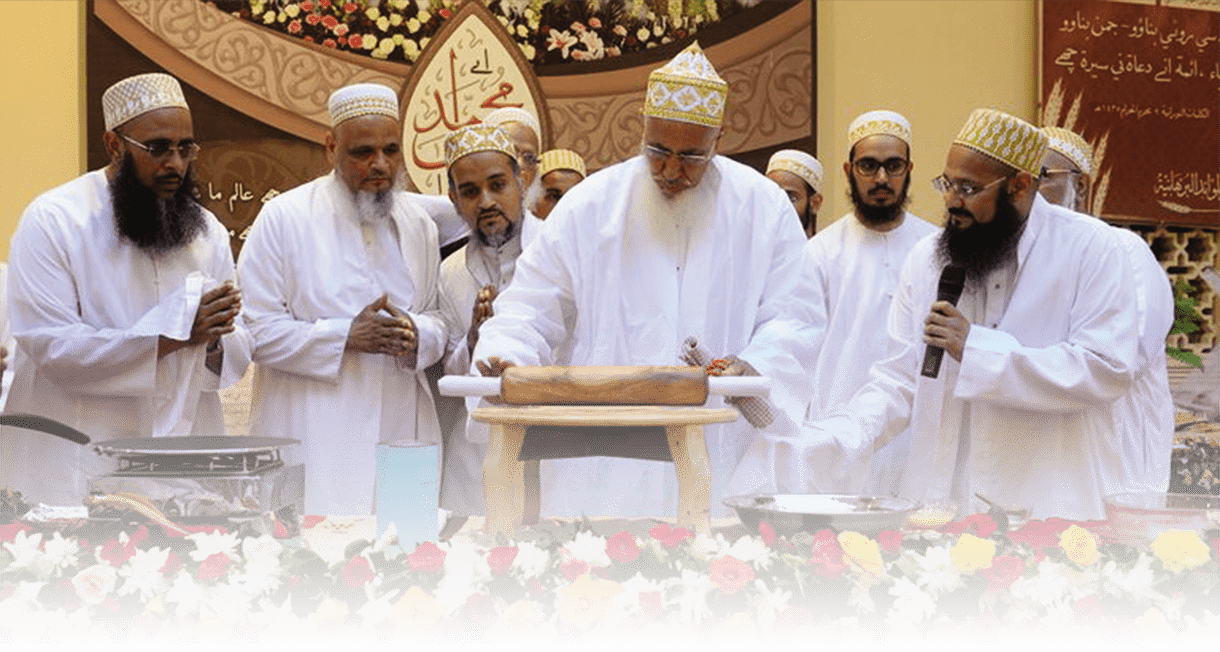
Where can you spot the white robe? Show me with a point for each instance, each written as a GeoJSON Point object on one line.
{"type": "Point", "coordinates": [87, 309]}
{"type": "Point", "coordinates": [857, 269]}
{"type": "Point", "coordinates": [463, 274]}
{"type": "Point", "coordinates": [1025, 419]}
{"type": "Point", "coordinates": [306, 271]}
{"type": "Point", "coordinates": [743, 289]}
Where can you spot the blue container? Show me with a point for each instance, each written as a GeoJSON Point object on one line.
{"type": "Point", "coordinates": [408, 490]}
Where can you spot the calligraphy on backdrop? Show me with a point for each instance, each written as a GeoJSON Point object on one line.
{"type": "Point", "coordinates": [1142, 84]}
{"type": "Point", "coordinates": [468, 70]}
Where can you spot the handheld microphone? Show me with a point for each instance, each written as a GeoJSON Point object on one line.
{"type": "Point", "coordinates": [952, 281]}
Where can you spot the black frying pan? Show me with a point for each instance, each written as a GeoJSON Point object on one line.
{"type": "Point", "coordinates": [43, 424]}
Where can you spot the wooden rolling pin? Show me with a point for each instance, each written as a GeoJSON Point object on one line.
{"type": "Point", "coordinates": [522, 385]}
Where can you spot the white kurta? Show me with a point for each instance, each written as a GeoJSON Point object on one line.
{"type": "Point", "coordinates": [741, 288]}
{"type": "Point", "coordinates": [87, 309]}
{"type": "Point", "coordinates": [450, 227]}
{"type": "Point", "coordinates": [1025, 418]}
{"type": "Point", "coordinates": [463, 274]}
{"type": "Point", "coordinates": [308, 267]}
{"type": "Point", "coordinates": [857, 269]}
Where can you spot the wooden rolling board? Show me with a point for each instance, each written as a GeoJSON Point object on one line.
{"type": "Point", "coordinates": [604, 386]}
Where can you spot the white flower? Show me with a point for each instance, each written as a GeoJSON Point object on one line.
{"type": "Point", "coordinates": [587, 547]}
{"type": "Point", "coordinates": [692, 599]}
{"type": "Point", "coordinates": [1136, 583]}
{"type": "Point", "coordinates": [911, 604]}
{"type": "Point", "coordinates": [465, 571]}
{"type": "Point", "coordinates": [752, 551]}
{"type": "Point", "coordinates": [143, 573]}
{"type": "Point", "coordinates": [228, 603]}
{"type": "Point", "coordinates": [94, 583]}
{"type": "Point", "coordinates": [938, 574]}
{"type": "Point", "coordinates": [643, 34]}
{"type": "Point", "coordinates": [24, 550]}
{"type": "Point", "coordinates": [629, 599]}
{"type": "Point", "coordinates": [186, 594]}
{"type": "Point", "coordinates": [593, 43]}
{"type": "Point", "coordinates": [709, 547]}
{"type": "Point", "coordinates": [531, 560]}
{"type": "Point", "coordinates": [774, 602]}
{"type": "Point", "coordinates": [374, 612]}
{"type": "Point", "coordinates": [60, 553]}
{"type": "Point", "coordinates": [210, 543]}
{"type": "Point", "coordinates": [1054, 584]}
{"type": "Point", "coordinates": [390, 536]}
{"type": "Point", "coordinates": [270, 616]}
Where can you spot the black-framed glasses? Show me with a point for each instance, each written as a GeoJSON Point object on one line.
{"type": "Point", "coordinates": [660, 154]}
{"type": "Point", "coordinates": [161, 147]}
{"type": "Point", "coordinates": [868, 166]}
{"type": "Point", "coordinates": [1047, 172]}
{"type": "Point", "coordinates": [963, 189]}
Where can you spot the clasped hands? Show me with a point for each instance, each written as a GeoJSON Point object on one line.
{"type": "Point", "coordinates": [215, 317]}
{"type": "Point", "coordinates": [392, 333]}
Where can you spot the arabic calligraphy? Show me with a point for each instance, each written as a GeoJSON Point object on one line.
{"type": "Point", "coordinates": [1142, 28]}
{"type": "Point", "coordinates": [1188, 184]}
{"type": "Point", "coordinates": [1169, 112]}
{"type": "Point", "coordinates": [1131, 63]}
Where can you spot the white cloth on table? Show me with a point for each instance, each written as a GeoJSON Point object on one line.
{"type": "Point", "coordinates": [857, 269]}
{"type": "Point", "coordinates": [307, 269]}
{"type": "Point", "coordinates": [1025, 418]}
{"type": "Point", "coordinates": [635, 287]}
{"type": "Point", "coordinates": [463, 274]}
{"type": "Point", "coordinates": [87, 308]}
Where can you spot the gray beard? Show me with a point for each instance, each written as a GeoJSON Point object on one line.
{"type": "Point", "coordinates": [374, 207]}
{"type": "Point", "coordinates": [534, 192]}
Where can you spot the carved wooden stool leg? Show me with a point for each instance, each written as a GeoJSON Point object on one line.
{"type": "Point", "coordinates": [689, 451]}
{"type": "Point", "coordinates": [503, 479]}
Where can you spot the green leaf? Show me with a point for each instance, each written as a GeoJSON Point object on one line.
{"type": "Point", "coordinates": [1185, 356]}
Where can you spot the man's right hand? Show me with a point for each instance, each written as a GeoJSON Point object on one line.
{"type": "Point", "coordinates": [373, 332]}
{"type": "Point", "coordinates": [216, 316]}
{"type": "Point", "coordinates": [493, 367]}
{"type": "Point", "coordinates": [481, 313]}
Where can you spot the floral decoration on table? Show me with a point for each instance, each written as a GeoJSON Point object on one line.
{"type": "Point", "coordinates": [547, 32]}
{"type": "Point", "coordinates": [1051, 572]}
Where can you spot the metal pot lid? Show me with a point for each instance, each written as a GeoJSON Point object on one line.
{"type": "Point", "coordinates": [222, 445]}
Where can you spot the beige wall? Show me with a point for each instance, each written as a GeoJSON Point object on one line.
{"type": "Point", "coordinates": [931, 60]}
{"type": "Point", "coordinates": [41, 97]}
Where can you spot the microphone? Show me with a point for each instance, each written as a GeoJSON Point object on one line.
{"type": "Point", "coordinates": [952, 281]}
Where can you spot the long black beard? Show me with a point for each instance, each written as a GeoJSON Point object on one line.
{"type": "Point", "coordinates": [983, 248]}
{"type": "Point", "coordinates": [154, 225]}
{"type": "Point", "coordinates": [496, 241]}
{"type": "Point", "coordinates": [879, 215]}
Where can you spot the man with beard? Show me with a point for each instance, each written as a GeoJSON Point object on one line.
{"type": "Point", "coordinates": [341, 277]}
{"type": "Point", "coordinates": [856, 260]}
{"type": "Point", "coordinates": [558, 171]}
{"type": "Point", "coordinates": [121, 300]}
{"type": "Point", "coordinates": [674, 243]}
{"type": "Point", "coordinates": [526, 134]}
{"type": "Point", "coordinates": [1042, 341]}
{"type": "Point", "coordinates": [486, 191]}
{"type": "Point", "coordinates": [1143, 417]}
{"type": "Point", "coordinates": [799, 175]}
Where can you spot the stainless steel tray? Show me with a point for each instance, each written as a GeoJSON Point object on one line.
{"type": "Point", "coordinates": [192, 445]}
{"type": "Point", "coordinates": [791, 513]}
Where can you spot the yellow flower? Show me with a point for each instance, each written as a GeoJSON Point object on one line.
{"type": "Point", "coordinates": [292, 10]}
{"type": "Point", "coordinates": [331, 612]}
{"type": "Point", "coordinates": [861, 551]}
{"type": "Point", "coordinates": [583, 602]}
{"type": "Point", "coordinates": [269, 18]}
{"type": "Point", "coordinates": [372, 13]}
{"type": "Point", "coordinates": [383, 23]}
{"type": "Point", "coordinates": [972, 553]}
{"type": "Point", "coordinates": [522, 615]}
{"type": "Point", "coordinates": [416, 609]}
{"type": "Point", "coordinates": [1080, 545]}
{"type": "Point", "coordinates": [423, 16]}
{"type": "Point", "coordinates": [1179, 550]}
{"type": "Point", "coordinates": [396, 19]}
{"type": "Point", "coordinates": [528, 50]}
{"type": "Point", "coordinates": [522, 31]}
{"type": "Point", "coordinates": [412, 25]}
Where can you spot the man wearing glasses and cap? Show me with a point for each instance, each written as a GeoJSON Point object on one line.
{"type": "Point", "coordinates": [122, 299]}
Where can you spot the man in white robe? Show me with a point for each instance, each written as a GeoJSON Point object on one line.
{"type": "Point", "coordinates": [341, 279]}
{"type": "Point", "coordinates": [1041, 343]}
{"type": "Point", "coordinates": [856, 260]}
{"type": "Point", "coordinates": [559, 170]}
{"type": "Point", "coordinates": [675, 243]}
{"type": "Point", "coordinates": [1143, 417]}
{"type": "Point", "coordinates": [121, 300]}
{"type": "Point", "coordinates": [486, 190]}
{"type": "Point", "coordinates": [526, 134]}
{"type": "Point", "coordinates": [799, 175]}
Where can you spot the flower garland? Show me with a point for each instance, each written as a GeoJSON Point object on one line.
{"type": "Point", "coordinates": [1050, 572]}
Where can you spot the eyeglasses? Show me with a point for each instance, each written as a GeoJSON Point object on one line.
{"type": "Point", "coordinates": [161, 148]}
{"type": "Point", "coordinates": [1046, 172]}
{"type": "Point", "coordinates": [659, 154]}
{"type": "Point", "coordinates": [528, 159]}
{"type": "Point", "coordinates": [963, 189]}
{"type": "Point", "coordinates": [894, 167]}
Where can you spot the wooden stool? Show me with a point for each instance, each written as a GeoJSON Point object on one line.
{"type": "Point", "coordinates": [504, 485]}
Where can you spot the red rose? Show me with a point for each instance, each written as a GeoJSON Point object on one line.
{"type": "Point", "coordinates": [670, 537]}
{"type": "Point", "coordinates": [1090, 609]}
{"type": "Point", "coordinates": [826, 555]}
{"type": "Point", "coordinates": [116, 553]}
{"type": "Point", "coordinates": [573, 568]}
{"type": "Point", "coordinates": [307, 5]}
{"type": "Point", "coordinates": [428, 557]}
{"type": "Point", "coordinates": [500, 559]}
{"type": "Point", "coordinates": [139, 536]}
{"type": "Point", "coordinates": [281, 530]}
{"type": "Point", "coordinates": [445, 13]}
{"type": "Point", "coordinates": [313, 19]}
{"type": "Point", "coordinates": [890, 540]}
{"type": "Point", "coordinates": [342, 40]}
{"type": "Point", "coordinates": [480, 607]}
{"type": "Point", "coordinates": [323, 3]}
{"type": "Point", "coordinates": [9, 531]}
{"type": "Point", "coordinates": [213, 567]}
{"type": "Point", "coordinates": [1040, 534]}
{"type": "Point", "coordinates": [982, 524]}
{"type": "Point", "coordinates": [622, 547]}
{"type": "Point", "coordinates": [357, 572]}
{"type": "Point", "coordinates": [330, 42]}
{"type": "Point", "coordinates": [329, 22]}
{"type": "Point", "coordinates": [767, 533]}
{"type": "Point", "coordinates": [294, 27]}
{"type": "Point", "coordinates": [349, 7]}
{"type": "Point", "coordinates": [308, 38]}
{"type": "Point", "coordinates": [1004, 570]}
{"type": "Point", "coordinates": [650, 604]}
{"type": "Point", "coordinates": [172, 563]}
{"type": "Point", "coordinates": [356, 41]}
{"type": "Point", "coordinates": [310, 521]}
{"type": "Point", "coordinates": [730, 574]}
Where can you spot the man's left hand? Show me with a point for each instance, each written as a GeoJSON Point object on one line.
{"type": "Point", "coordinates": [411, 343]}
{"type": "Point", "coordinates": [947, 328]}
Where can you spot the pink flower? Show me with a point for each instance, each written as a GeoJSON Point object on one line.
{"type": "Point", "coordinates": [500, 559]}
{"type": "Point", "coordinates": [573, 568]}
{"type": "Point", "coordinates": [214, 567]}
{"type": "Point", "coordinates": [330, 42]}
{"type": "Point", "coordinates": [428, 557]}
{"type": "Point", "coordinates": [313, 19]}
{"type": "Point", "coordinates": [294, 27]}
{"type": "Point", "coordinates": [310, 521]}
{"type": "Point", "coordinates": [349, 7]}
{"type": "Point", "coordinates": [8, 531]}
{"type": "Point", "coordinates": [356, 41]}
{"type": "Point", "coordinates": [622, 548]}
{"type": "Point", "coordinates": [890, 540]}
{"type": "Point", "coordinates": [357, 572]}
{"type": "Point", "coordinates": [445, 13]}
{"type": "Point", "coordinates": [826, 555]}
{"type": "Point", "coordinates": [767, 533]}
{"type": "Point", "coordinates": [329, 22]}
{"type": "Point", "coordinates": [172, 563]}
{"type": "Point", "coordinates": [1004, 570]}
{"type": "Point", "coordinates": [116, 553]}
{"type": "Point", "coordinates": [730, 574]}
{"type": "Point", "coordinates": [670, 537]}
{"type": "Point", "coordinates": [306, 5]}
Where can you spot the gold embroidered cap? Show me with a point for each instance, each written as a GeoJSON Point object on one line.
{"type": "Point", "coordinates": [477, 138]}
{"type": "Point", "coordinates": [687, 89]}
{"type": "Point", "coordinates": [1071, 145]}
{"type": "Point", "coordinates": [1004, 137]}
{"type": "Point", "coordinates": [513, 114]}
{"type": "Point", "coordinates": [877, 122]}
{"type": "Point", "coordinates": [800, 164]}
{"type": "Point", "coordinates": [138, 95]}
{"type": "Point", "coordinates": [362, 99]}
{"type": "Point", "coordinates": [560, 159]}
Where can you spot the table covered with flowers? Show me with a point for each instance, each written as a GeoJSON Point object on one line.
{"type": "Point", "coordinates": [575, 579]}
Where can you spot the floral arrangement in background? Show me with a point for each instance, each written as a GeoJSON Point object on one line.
{"type": "Point", "coordinates": [546, 31]}
{"type": "Point", "coordinates": [1051, 572]}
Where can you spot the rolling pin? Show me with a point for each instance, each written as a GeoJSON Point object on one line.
{"type": "Point", "coordinates": [523, 385]}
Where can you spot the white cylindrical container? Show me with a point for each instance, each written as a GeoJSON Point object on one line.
{"type": "Point", "coordinates": [408, 490]}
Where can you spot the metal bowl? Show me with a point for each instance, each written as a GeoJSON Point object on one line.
{"type": "Point", "coordinates": [1138, 518]}
{"type": "Point", "coordinates": [792, 513]}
